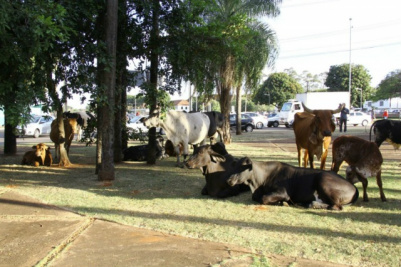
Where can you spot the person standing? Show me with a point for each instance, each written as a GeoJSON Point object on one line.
{"type": "Point", "coordinates": [385, 114]}
{"type": "Point", "coordinates": [343, 118]}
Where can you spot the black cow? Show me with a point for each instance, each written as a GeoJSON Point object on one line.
{"type": "Point", "coordinates": [140, 153]}
{"type": "Point", "coordinates": [217, 166]}
{"type": "Point", "coordinates": [386, 130]}
{"type": "Point", "coordinates": [274, 182]}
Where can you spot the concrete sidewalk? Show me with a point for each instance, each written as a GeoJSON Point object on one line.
{"type": "Point", "coordinates": [32, 233]}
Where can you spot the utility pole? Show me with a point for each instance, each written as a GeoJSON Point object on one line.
{"type": "Point", "coordinates": [350, 68]}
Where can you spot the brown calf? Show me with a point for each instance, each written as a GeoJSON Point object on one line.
{"type": "Point", "coordinates": [364, 160]}
{"type": "Point", "coordinates": [40, 156]}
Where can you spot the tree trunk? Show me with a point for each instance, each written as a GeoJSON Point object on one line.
{"type": "Point", "coordinates": [64, 159]}
{"type": "Point", "coordinates": [154, 70]}
{"type": "Point", "coordinates": [106, 171]}
{"type": "Point", "coordinates": [225, 106]}
{"type": "Point", "coordinates": [238, 110]}
{"type": "Point", "coordinates": [10, 140]}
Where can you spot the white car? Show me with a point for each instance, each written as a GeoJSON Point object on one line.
{"type": "Point", "coordinates": [358, 118]}
{"type": "Point", "coordinates": [260, 120]}
{"type": "Point", "coordinates": [273, 121]}
{"type": "Point", "coordinates": [37, 126]}
{"type": "Point", "coordinates": [134, 124]}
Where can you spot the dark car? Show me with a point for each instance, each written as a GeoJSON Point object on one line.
{"type": "Point", "coordinates": [247, 123]}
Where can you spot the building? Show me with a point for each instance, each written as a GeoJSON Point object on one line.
{"type": "Point", "coordinates": [391, 104]}
{"type": "Point", "coordinates": [182, 105]}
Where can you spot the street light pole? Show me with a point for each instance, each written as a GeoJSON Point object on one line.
{"type": "Point", "coordinates": [350, 68]}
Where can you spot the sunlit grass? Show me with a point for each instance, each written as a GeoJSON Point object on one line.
{"type": "Point", "coordinates": [165, 198]}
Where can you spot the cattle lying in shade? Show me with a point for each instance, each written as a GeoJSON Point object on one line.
{"type": "Point", "coordinates": [39, 156]}
{"type": "Point", "coordinates": [364, 159]}
{"type": "Point", "coordinates": [217, 166]}
{"type": "Point", "coordinates": [313, 129]}
{"type": "Point", "coordinates": [273, 183]}
{"type": "Point", "coordinates": [140, 153]}
{"type": "Point", "coordinates": [386, 130]}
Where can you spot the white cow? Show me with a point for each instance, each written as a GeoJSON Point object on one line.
{"type": "Point", "coordinates": [181, 128]}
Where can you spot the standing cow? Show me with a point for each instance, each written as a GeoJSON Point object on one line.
{"type": "Point", "coordinates": [69, 129]}
{"type": "Point", "coordinates": [181, 129]}
{"type": "Point", "coordinates": [386, 130]}
{"type": "Point", "coordinates": [364, 160]}
{"type": "Point", "coordinates": [275, 182]}
{"type": "Point", "coordinates": [312, 130]}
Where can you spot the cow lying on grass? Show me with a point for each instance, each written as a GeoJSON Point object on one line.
{"type": "Point", "coordinates": [140, 153]}
{"type": "Point", "coordinates": [364, 159]}
{"type": "Point", "coordinates": [274, 182]}
{"type": "Point", "coordinates": [40, 156]}
{"type": "Point", "coordinates": [217, 166]}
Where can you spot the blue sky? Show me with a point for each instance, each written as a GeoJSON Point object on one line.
{"type": "Point", "coordinates": [315, 34]}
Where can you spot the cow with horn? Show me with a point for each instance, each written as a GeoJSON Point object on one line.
{"type": "Point", "coordinates": [313, 129]}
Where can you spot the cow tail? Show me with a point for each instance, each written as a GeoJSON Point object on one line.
{"type": "Point", "coordinates": [356, 195]}
{"type": "Point", "coordinates": [370, 132]}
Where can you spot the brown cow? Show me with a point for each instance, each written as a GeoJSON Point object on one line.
{"type": "Point", "coordinates": [364, 160]}
{"type": "Point", "coordinates": [40, 156]}
{"type": "Point", "coordinates": [312, 130]}
{"type": "Point", "coordinates": [69, 130]}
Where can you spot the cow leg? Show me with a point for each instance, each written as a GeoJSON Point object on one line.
{"type": "Point", "coordinates": [323, 160]}
{"type": "Point", "coordinates": [276, 197]}
{"type": "Point", "coordinates": [312, 165]}
{"type": "Point", "coordinates": [299, 149]}
{"type": "Point", "coordinates": [335, 165]}
{"type": "Point", "coordinates": [306, 158]}
{"type": "Point", "coordinates": [364, 182]}
{"type": "Point", "coordinates": [379, 183]}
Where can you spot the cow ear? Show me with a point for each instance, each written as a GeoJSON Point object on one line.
{"type": "Point", "coordinates": [216, 157]}
{"type": "Point", "coordinates": [33, 147]}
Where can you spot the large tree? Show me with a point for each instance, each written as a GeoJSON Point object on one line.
{"type": "Point", "coordinates": [390, 86]}
{"type": "Point", "coordinates": [278, 88]}
{"type": "Point", "coordinates": [338, 80]}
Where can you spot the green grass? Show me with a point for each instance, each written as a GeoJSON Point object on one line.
{"type": "Point", "coordinates": [166, 198]}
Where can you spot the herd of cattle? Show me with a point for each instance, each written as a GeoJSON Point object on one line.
{"type": "Point", "coordinates": [270, 182]}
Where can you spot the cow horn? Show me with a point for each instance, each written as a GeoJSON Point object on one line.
{"type": "Point", "coordinates": [306, 108]}
{"type": "Point", "coordinates": [340, 107]}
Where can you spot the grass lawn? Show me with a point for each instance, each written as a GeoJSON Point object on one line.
{"type": "Point", "coordinates": [166, 198]}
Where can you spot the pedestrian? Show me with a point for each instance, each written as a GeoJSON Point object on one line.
{"type": "Point", "coordinates": [343, 118]}
{"type": "Point", "coordinates": [385, 114]}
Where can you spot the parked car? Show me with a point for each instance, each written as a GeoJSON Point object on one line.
{"type": "Point", "coordinates": [134, 124]}
{"type": "Point", "coordinates": [273, 121]}
{"type": "Point", "coordinates": [260, 120]}
{"type": "Point", "coordinates": [37, 126]}
{"type": "Point", "coordinates": [247, 123]}
{"type": "Point", "coordinates": [358, 118]}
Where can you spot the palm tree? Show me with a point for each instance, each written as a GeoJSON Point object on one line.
{"type": "Point", "coordinates": [248, 47]}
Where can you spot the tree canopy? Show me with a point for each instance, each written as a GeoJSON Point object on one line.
{"type": "Point", "coordinates": [338, 80]}
{"type": "Point", "coordinates": [389, 87]}
{"type": "Point", "coordinates": [279, 87]}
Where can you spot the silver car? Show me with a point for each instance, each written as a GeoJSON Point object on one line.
{"type": "Point", "coordinates": [37, 126]}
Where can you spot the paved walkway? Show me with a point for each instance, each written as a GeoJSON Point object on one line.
{"type": "Point", "coordinates": [35, 234]}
